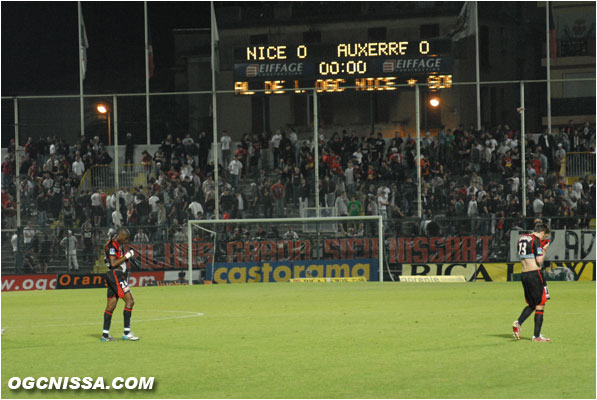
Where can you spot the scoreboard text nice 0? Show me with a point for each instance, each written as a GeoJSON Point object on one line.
{"type": "Point", "coordinates": [331, 68]}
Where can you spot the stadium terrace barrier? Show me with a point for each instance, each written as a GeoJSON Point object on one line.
{"type": "Point", "coordinates": [580, 164]}
{"type": "Point", "coordinates": [566, 244]}
{"type": "Point", "coordinates": [495, 272]}
{"type": "Point", "coordinates": [102, 177]}
{"type": "Point", "coordinates": [165, 248]}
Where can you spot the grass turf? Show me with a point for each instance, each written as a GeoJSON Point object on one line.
{"type": "Point", "coordinates": [350, 340]}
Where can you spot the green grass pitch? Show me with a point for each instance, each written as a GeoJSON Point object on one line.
{"type": "Point", "coordinates": [309, 340]}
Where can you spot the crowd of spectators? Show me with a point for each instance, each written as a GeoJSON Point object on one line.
{"type": "Point", "coordinates": [470, 182]}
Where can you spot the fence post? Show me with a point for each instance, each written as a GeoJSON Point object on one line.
{"type": "Point", "coordinates": [116, 161]}
{"type": "Point", "coordinates": [315, 151]}
{"type": "Point", "coordinates": [418, 156]}
{"type": "Point", "coordinates": [17, 166]}
{"type": "Point", "coordinates": [523, 156]}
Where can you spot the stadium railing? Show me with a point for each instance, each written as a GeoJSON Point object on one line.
{"type": "Point", "coordinates": [483, 239]}
{"type": "Point", "coordinates": [580, 164]}
{"type": "Point", "coordinates": [102, 177]}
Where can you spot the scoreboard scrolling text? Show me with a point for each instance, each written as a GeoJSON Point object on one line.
{"type": "Point", "coordinates": [368, 66]}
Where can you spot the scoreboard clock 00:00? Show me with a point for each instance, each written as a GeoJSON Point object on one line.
{"type": "Point", "coordinates": [332, 68]}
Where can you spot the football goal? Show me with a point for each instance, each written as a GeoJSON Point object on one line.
{"type": "Point", "coordinates": [284, 249]}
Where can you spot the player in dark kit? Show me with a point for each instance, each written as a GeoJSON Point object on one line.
{"type": "Point", "coordinates": [118, 287]}
{"type": "Point", "coordinates": [531, 250]}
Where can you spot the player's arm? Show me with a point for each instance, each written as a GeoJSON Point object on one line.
{"type": "Point", "coordinates": [539, 251]}
{"type": "Point", "coordinates": [116, 262]}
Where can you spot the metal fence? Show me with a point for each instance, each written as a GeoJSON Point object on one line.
{"type": "Point", "coordinates": [33, 249]}
{"type": "Point", "coordinates": [580, 164]}
{"type": "Point", "coordinates": [104, 177]}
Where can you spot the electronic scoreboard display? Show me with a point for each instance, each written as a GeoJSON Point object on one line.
{"type": "Point", "coordinates": [331, 68]}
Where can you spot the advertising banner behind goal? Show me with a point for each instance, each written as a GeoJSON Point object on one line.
{"type": "Point", "coordinates": [283, 271]}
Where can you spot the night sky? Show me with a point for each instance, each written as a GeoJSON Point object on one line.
{"type": "Point", "coordinates": [40, 44]}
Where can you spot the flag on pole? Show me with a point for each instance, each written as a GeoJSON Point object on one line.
{"type": "Point", "coordinates": [151, 65]}
{"type": "Point", "coordinates": [465, 24]}
{"type": "Point", "coordinates": [215, 36]}
{"type": "Point", "coordinates": [84, 45]}
{"type": "Point", "coordinates": [553, 45]}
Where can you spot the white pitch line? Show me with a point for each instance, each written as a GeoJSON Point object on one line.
{"type": "Point", "coordinates": [191, 314]}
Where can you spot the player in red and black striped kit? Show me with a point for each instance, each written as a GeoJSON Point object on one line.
{"type": "Point", "coordinates": [531, 250]}
{"type": "Point", "coordinates": [118, 287]}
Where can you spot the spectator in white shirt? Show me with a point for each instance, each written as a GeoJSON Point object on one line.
{"type": "Point", "coordinates": [538, 205]}
{"type": "Point", "coordinates": [341, 205]}
{"type": "Point", "coordinates": [225, 142]}
{"type": "Point", "coordinates": [14, 241]}
{"type": "Point", "coordinates": [234, 168]}
{"type": "Point", "coordinates": [48, 182]}
{"type": "Point", "coordinates": [293, 140]}
{"type": "Point", "coordinates": [110, 207]}
{"type": "Point", "coordinates": [571, 197]}
{"type": "Point", "coordinates": [117, 218]}
{"type": "Point", "coordinates": [382, 204]}
{"type": "Point", "coordinates": [472, 190]}
{"type": "Point", "coordinates": [358, 155]}
{"type": "Point", "coordinates": [78, 167]}
{"type": "Point", "coordinates": [290, 234]}
{"type": "Point", "coordinates": [481, 193]}
{"type": "Point", "coordinates": [28, 234]}
{"type": "Point", "coordinates": [141, 237]}
{"type": "Point", "coordinates": [196, 179]}
{"type": "Point", "coordinates": [275, 142]}
{"type": "Point", "coordinates": [473, 213]}
{"type": "Point", "coordinates": [196, 209]}
{"type": "Point", "coordinates": [560, 156]}
{"type": "Point", "coordinates": [153, 203]}
{"type": "Point", "coordinates": [69, 243]}
{"type": "Point", "coordinates": [577, 187]}
{"type": "Point", "coordinates": [531, 183]}
{"type": "Point", "coordinates": [97, 207]}
{"type": "Point", "coordinates": [186, 170]}
{"type": "Point", "coordinates": [349, 177]}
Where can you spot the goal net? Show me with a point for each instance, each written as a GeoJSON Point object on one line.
{"type": "Point", "coordinates": [284, 249]}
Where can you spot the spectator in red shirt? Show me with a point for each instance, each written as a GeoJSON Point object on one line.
{"type": "Point", "coordinates": [8, 170]}
{"type": "Point", "coordinates": [278, 193]}
{"type": "Point", "coordinates": [536, 165]}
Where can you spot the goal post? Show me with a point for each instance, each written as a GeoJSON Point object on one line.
{"type": "Point", "coordinates": [333, 245]}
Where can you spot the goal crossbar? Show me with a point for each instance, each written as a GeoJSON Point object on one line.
{"type": "Point", "coordinates": [199, 222]}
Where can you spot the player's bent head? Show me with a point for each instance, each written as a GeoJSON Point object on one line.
{"type": "Point", "coordinates": [542, 228]}
{"type": "Point", "coordinates": [122, 234]}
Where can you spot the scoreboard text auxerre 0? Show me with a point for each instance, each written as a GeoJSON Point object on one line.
{"type": "Point", "coordinates": [371, 66]}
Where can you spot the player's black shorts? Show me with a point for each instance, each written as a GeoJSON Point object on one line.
{"type": "Point", "coordinates": [534, 288]}
{"type": "Point", "coordinates": [117, 283]}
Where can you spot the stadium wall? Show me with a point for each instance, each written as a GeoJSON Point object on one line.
{"type": "Point", "coordinates": [284, 271]}
{"type": "Point", "coordinates": [582, 270]}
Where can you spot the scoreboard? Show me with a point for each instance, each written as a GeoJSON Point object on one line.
{"type": "Point", "coordinates": [331, 68]}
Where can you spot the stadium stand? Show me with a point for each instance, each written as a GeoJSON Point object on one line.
{"type": "Point", "coordinates": [470, 185]}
